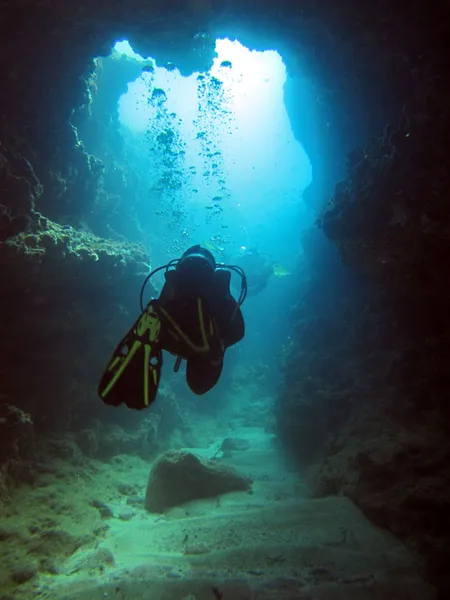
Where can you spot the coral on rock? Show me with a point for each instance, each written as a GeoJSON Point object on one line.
{"type": "Point", "coordinates": [67, 297]}
{"type": "Point", "coordinates": [70, 258]}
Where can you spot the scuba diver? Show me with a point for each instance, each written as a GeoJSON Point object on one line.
{"type": "Point", "coordinates": [258, 268]}
{"type": "Point", "coordinates": [195, 318]}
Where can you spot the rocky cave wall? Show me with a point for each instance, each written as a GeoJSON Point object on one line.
{"type": "Point", "coordinates": [376, 74]}
{"type": "Point", "coordinates": [364, 405]}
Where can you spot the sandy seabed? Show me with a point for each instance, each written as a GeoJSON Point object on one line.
{"type": "Point", "coordinates": [274, 543]}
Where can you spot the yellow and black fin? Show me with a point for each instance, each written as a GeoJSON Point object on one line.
{"type": "Point", "coordinates": [133, 373]}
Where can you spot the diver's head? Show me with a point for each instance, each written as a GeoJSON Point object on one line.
{"type": "Point", "coordinates": [198, 252]}
{"type": "Point", "coordinates": [249, 250]}
{"type": "Point", "coordinates": [195, 268]}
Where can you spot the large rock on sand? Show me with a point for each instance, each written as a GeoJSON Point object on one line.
{"type": "Point", "coordinates": [177, 477]}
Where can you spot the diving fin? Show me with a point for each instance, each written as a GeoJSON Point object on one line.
{"type": "Point", "coordinates": [133, 373]}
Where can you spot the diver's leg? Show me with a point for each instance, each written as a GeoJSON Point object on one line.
{"type": "Point", "coordinates": [202, 375]}
{"type": "Point", "coordinates": [230, 322]}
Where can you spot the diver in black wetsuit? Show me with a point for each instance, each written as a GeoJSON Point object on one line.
{"type": "Point", "coordinates": [258, 269]}
{"type": "Point", "coordinates": [195, 318]}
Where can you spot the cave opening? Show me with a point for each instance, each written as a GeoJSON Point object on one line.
{"type": "Point", "coordinates": [205, 158]}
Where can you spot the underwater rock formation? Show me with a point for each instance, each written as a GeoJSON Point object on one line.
{"type": "Point", "coordinates": [122, 184]}
{"type": "Point", "coordinates": [66, 295]}
{"type": "Point", "coordinates": [52, 255]}
{"type": "Point", "coordinates": [366, 384]}
{"type": "Point", "coordinates": [178, 477]}
{"type": "Point", "coordinates": [20, 192]}
{"type": "Point", "coordinates": [357, 416]}
{"type": "Point", "coordinates": [371, 415]}
{"type": "Point", "coordinates": [389, 218]}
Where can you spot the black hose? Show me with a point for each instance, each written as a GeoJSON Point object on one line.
{"type": "Point", "coordinates": [175, 261]}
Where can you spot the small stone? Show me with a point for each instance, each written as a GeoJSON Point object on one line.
{"type": "Point", "coordinates": [104, 510]}
{"type": "Point", "coordinates": [179, 477]}
{"type": "Point", "coordinates": [126, 516]}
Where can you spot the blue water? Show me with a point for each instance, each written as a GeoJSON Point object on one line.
{"type": "Point", "coordinates": [216, 163]}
